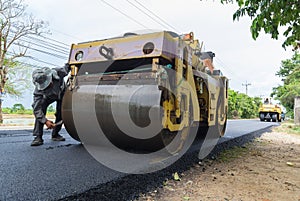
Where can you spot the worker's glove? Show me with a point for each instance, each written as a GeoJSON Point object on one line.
{"type": "Point", "coordinates": [50, 124]}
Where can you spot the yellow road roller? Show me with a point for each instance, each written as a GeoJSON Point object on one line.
{"type": "Point", "coordinates": [143, 90]}
{"type": "Point", "coordinates": [269, 111]}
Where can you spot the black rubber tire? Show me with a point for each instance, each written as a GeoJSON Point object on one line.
{"type": "Point", "coordinates": [262, 117]}
{"type": "Point", "coordinates": [220, 127]}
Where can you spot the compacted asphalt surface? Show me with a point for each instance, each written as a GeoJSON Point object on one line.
{"type": "Point", "coordinates": [59, 169]}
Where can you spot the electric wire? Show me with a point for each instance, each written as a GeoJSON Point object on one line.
{"type": "Point", "coordinates": [51, 39]}
{"type": "Point", "coordinates": [156, 16]}
{"type": "Point", "coordinates": [41, 61]}
{"type": "Point", "coordinates": [48, 47]}
{"type": "Point", "coordinates": [42, 51]}
{"type": "Point", "coordinates": [27, 64]}
{"type": "Point", "coordinates": [32, 58]}
{"type": "Point", "coordinates": [48, 43]}
{"type": "Point", "coordinates": [65, 34]}
{"type": "Point", "coordinates": [38, 37]}
{"type": "Point", "coordinates": [124, 14]}
{"type": "Point", "coordinates": [147, 14]}
{"type": "Point", "coordinates": [41, 44]}
{"type": "Point", "coordinates": [227, 68]}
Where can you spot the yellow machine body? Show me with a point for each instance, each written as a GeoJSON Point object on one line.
{"type": "Point", "coordinates": [160, 68]}
{"type": "Point", "coordinates": [269, 111]}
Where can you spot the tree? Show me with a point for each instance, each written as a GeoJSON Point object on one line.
{"type": "Point", "coordinates": [290, 73]}
{"type": "Point", "coordinates": [269, 15]}
{"type": "Point", "coordinates": [18, 107]}
{"type": "Point", "coordinates": [241, 105]}
{"type": "Point", "coordinates": [19, 79]}
{"type": "Point", "coordinates": [15, 24]}
{"type": "Point", "coordinates": [50, 108]}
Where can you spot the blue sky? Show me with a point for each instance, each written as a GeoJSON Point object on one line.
{"type": "Point", "coordinates": [239, 57]}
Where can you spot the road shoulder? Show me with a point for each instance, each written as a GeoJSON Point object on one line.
{"type": "Point", "coordinates": [266, 169]}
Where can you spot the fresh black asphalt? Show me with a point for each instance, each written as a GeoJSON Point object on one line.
{"type": "Point", "coordinates": [60, 169]}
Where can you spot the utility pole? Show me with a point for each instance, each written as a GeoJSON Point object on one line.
{"type": "Point", "coordinates": [246, 85]}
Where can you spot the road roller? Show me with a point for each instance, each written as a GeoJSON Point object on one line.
{"type": "Point", "coordinates": [144, 91]}
{"type": "Point", "coordinates": [269, 111]}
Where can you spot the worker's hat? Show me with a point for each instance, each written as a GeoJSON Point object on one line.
{"type": "Point", "coordinates": [42, 77]}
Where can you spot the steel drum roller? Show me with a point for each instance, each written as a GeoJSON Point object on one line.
{"type": "Point", "coordinates": [129, 116]}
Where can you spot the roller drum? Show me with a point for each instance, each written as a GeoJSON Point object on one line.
{"type": "Point", "coordinates": [126, 116]}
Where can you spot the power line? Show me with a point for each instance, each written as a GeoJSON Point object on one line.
{"type": "Point", "coordinates": [232, 72]}
{"type": "Point", "coordinates": [45, 46]}
{"type": "Point", "coordinates": [146, 14]}
{"type": "Point", "coordinates": [41, 61]}
{"type": "Point", "coordinates": [27, 64]}
{"type": "Point", "coordinates": [42, 51]}
{"type": "Point", "coordinates": [33, 58]}
{"type": "Point", "coordinates": [48, 43]}
{"type": "Point", "coordinates": [70, 36]}
{"type": "Point", "coordinates": [59, 42]}
{"type": "Point", "coordinates": [124, 14]}
{"type": "Point", "coordinates": [156, 15]}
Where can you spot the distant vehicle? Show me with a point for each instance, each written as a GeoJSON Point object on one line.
{"type": "Point", "coordinates": [269, 111]}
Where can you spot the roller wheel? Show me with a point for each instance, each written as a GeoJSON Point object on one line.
{"type": "Point", "coordinates": [221, 120]}
{"type": "Point", "coordinates": [67, 115]}
{"type": "Point", "coordinates": [261, 117]}
{"type": "Point", "coordinates": [274, 117]}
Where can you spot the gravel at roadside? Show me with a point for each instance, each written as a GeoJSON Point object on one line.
{"type": "Point", "coordinates": [267, 169]}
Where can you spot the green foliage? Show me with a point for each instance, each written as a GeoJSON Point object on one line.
{"type": "Point", "coordinates": [19, 79]}
{"type": "Point", "coordinates": [6, 110]}
{"type": "Point", "coordinates": [288, 127]}
{"type": "Point", "coordinates": [242, 106]}
{"type": "Point", "coordinates": [290, 72]}
{"type": "Point", "coordinates": [16, 109]}
{"type": "Point", "coordinates": [50, 109]}
{"type": "Point", "coordinates": [269, 15]}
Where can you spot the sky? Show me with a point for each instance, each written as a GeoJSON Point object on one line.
{"type": "Point", "coordinates": [238, 56]}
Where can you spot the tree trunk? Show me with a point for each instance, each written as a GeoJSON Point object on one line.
{"type": "Point", "coordinates": [1, 117]}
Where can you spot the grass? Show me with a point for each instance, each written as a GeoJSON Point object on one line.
{"type": "Point", "coordinates": [288, 127]}
{"type": "Point", "coordinates": [236, 152]}
{"type": "Point", "coordinates": [233, 153]}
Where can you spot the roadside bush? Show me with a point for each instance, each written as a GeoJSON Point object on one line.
{"type": "Point", "coordinates": [241, 105]}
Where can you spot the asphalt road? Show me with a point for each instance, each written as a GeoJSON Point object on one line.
{"type": "Point", "coordinates": [59, 169]}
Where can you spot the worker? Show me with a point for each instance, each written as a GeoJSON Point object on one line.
{"type": "Point", "coordinates": [49, 88]}
{"type": "Point", "coordinates": [266, 101]}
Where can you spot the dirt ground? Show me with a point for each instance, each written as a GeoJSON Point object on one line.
{"type": "Point", "coordinates": [267, 169]}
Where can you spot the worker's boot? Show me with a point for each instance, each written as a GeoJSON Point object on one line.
{"type": "Point", "coordinates": [58, 137]}
{"type": "Point", "coordinates": [37, 141]}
